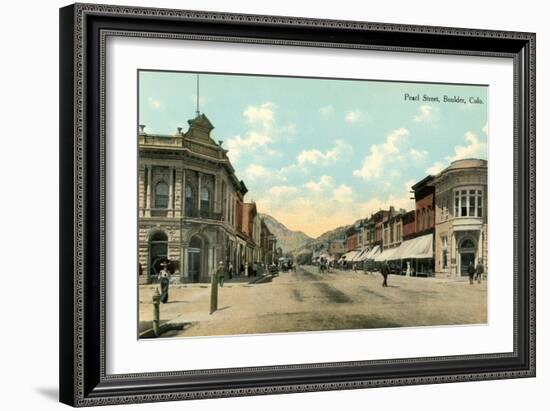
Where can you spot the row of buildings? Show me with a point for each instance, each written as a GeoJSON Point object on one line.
{"type": "Point", "coordinates": [192, 208]}
{"type": "Point", "coordinates": [444, 233]}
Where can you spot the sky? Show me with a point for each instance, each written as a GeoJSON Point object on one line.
{"type": "Point", "coordinates": [321, 153]}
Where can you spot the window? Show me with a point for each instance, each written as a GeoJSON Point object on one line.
{"type": "Point", "coordinates": [189, 201]}
{"type": "Point", "coordinates": [472, 203]}
{"type": "Point", "coordinates": [463, 203]}
{"type": "Point", "coordinates": [468, 203]}
{"type": "Point", "coordinates": [479, 204]}
{"type": "Point", "coordinates": [205, 199]}
{"type": "Point", "coordinates": [429, 216]}
{"type": "Point", "coordinates": [423, 218]}
{"type": "Point", "coordinates": [161, 195]}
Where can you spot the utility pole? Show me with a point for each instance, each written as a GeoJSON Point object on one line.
{"type": "Point", "coordinates": [214, 290]}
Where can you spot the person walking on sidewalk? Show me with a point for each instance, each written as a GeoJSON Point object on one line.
{"type": "Point", "coordinates": [479, 271]}
{"type": "Point", "coordinates": [471, 271]}
{"type": "Point", "coordinates": [164, 278]}
{"type": "Point", "coordinates": [221, 273]}
{"type": "Point", "coordinates": [385, 270]}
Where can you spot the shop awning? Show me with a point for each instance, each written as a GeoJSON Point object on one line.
{"type": "Point", "coordinates": [350, 255]}
{"type": "Point", "coordinates": [419, 247]}
{"type": "Point", "coordinates": [371, 254]}
{"type": "Point", "coordinates": [386, 255]}
{"type": "Point", "coordinates": [358, 257]}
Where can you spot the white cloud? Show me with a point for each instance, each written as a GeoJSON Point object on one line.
{"type": "Point", "coordinates": [324, 183]}
{"type": "Point", "coordinates": [343, 194]}
{"type": "Point", "coordinates": [418, 155]}
{"type": "Point", "coordinates": [353, 116]}
{"type": "Point", "coordinates": [263, 114]}
{"type": "Point", "coordinates": [475, 148]}
{"type": "Point", "coordinates": [435, 168]}
{"type": "Point", "coordinates": [260, 122]}
{"type": "Point", "coordinates": [381, 155]}
{"type": "Point", "coordinates": [427, 114]}
{"type": "Point", "coordinates": [258, 172]}
{"type": "Point", "coordinates": [403, 200]}
{"type": "Point", "coordinates": [314, 156]}
{"type": "Point", "coordinates": [254, 171]}
{"type": "Point", "coordinates": [326, 110]}
{"type": "Point", "coordinates": [282, 191]}
{"type": "Point", "coordinates": [252, 141]}
{"type": "Point", "coordinates": [155, 104]}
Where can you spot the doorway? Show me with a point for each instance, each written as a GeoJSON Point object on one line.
{"type": "Point", "coordinates": [158, 252]}
{"type": "Point", "coordinates": [467, 252]}
{"type": "Point", "coordinates": [194, 257]}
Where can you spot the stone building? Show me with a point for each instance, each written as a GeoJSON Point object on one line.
{"type": "Point", "coordinates": [460, 217]}
{"type": "Point", "coordinates": [189, 199]}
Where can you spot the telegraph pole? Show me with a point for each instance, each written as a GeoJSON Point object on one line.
{"type": "Point", "coordinates": [214, 290]}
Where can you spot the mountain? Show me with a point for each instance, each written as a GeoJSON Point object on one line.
{"type": "Point", "coordinates": [337, 233]}
{"type": "Point", "coordinates": [287, 239]}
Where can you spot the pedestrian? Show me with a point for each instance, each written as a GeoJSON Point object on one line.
{"type": "Point", "coordinates": [255, 269]}
{"type": "Point", "coordinates": [479, 271]}
{"type": "Point", "coordinates": [220, 273]}
{"type": "Point", "coordinates": [164, 278]}
{"type": "Point", "coordinates": [471, 271]}
{"type": "Point", "coordinates": [230, 271]}
{"type": "Point", "coordinates": [385, 270]}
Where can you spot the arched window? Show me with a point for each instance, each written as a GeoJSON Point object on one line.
{"type": "Point", "coordinates": [205, 199]}
{"type": "Point", "coordinates": [467, 243]}
{"type": "Point", "coordinates": [189, 201]}
{"type": "Point", "coordinates": [161, 195]}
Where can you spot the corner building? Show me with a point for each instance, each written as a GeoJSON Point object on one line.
{"type": "Point", "coordinates": [188, 203]}
{"type": "Point", "coordinates": [461, 217]}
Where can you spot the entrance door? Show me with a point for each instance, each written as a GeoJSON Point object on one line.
{"type": "Point", "coordinates": [465, 259]}
{"type": "Point", "coordinates": [158, 252]}
{"type": "Point", "coordinates": [194, 258]}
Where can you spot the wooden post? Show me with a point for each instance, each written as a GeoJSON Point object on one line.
{"type": "Point", "coordinates": [214, 292]}
{"type": "Point", "coordinates": [156, 313]}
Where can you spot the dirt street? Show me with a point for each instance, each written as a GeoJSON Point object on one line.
{"type": "Point", "coordinates": [306, 300]}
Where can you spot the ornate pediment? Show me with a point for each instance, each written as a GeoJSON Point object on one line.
{"type": "Point", "coordinates": [200, 128]}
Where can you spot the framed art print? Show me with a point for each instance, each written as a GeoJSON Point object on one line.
{"type": "Point", "coordinates": [260, 204]}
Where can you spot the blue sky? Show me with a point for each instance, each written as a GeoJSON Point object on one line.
{"type": "Point", "coordinates": [318, 153]}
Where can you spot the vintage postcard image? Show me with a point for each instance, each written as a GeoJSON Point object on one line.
{"type": "Point", "coordinates": [273, 204]}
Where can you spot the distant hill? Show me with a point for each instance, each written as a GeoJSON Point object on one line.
{"type": "Point", "coordinates": [287, 239]}
{"type": "Point", "coordinates": [337, 233]}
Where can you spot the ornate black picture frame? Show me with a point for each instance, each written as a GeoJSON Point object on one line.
{"type": "Point", "coordinates": [83, 31]}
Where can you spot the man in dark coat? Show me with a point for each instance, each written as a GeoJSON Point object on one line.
{"type": "Point", "coordinates": [471, 271]}
{"type": "Point", "coordinates": [164, 279]}
{"type": "Point", "coordinates": [479, 271]}
{"type": "Point", "coordinates": [385, 270]}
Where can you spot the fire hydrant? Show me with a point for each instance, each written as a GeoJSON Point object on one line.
{"type": "Point", "coordinates": [156, 313]}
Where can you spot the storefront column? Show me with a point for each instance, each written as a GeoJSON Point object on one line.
{"type": "Point", "coordinates": [171, 191]}
{"type": "Point", "coordinates": [479, 256]}
{"type": "Point", "coordinates": [148, 193]}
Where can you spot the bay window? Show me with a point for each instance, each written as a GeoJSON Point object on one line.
{"type": "Point", "coordinates": [468, 203]}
